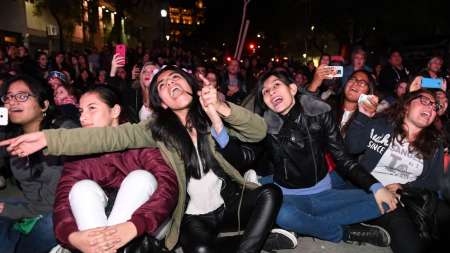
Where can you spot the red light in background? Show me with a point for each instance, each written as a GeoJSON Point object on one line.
{"type": "Point", "coordinates": [251, 46]}
{"type": "Point", "coordinates": [228, 58]}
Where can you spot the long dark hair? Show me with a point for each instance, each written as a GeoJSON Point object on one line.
{"type": "Point", "coordinates": [167, 127]}
{"type": "Point", "coordinates": [428, 139]}
{"type": "Point", "coordinates": [340, 109]}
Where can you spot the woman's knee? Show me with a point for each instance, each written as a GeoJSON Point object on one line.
{"type": "Point", "coordinates": [270, 194]}
{"type": "Point", "coordinates": [142, 180]}
{"type": "Point", "coordinates": [285, 217]}
{"type": "Point", "coordinates": [86, 189]}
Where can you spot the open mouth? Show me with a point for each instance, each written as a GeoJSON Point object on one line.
{"type": "Point", "coordinates": [426, 115]}
{"type": "Point", "coordinates": [277, 100]}
{"type": "Point", "coordinates": [15, 110]}
{"type": "Point", "coordinates": [354, 90]}
{"type": "Point", "coordinates": [175, 91]}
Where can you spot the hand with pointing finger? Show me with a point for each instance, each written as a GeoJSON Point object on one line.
{"type": "Point", "coordinates": [26, 144]}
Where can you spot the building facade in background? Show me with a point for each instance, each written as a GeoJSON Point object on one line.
{"type": "Point", "coordinates": [19, 24]}
{"type": "Point", "coordinates": [184, 17]}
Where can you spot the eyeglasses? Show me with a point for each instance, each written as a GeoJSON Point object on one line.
{"type": "Point", "coordinates": [361, 83]}
{"type": "Point", "coordinates": [19, 97]}
{"type": "Point", "coordinates": [426, 101]}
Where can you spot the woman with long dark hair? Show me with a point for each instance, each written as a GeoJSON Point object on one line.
{"type": "Point", "coordinates": [30, 109]}
{"type": "Point", "coordinates": [183, 122]}
{"type": "Point", "coordinates": [360, 82]}
{"type": "Point", "coordinates": [403, 149]}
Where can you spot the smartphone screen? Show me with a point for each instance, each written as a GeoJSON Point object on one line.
{"type": "Point", "coordinates": [337, 71]}
{"type": "Point", "coordinates": [431, 83]}
{"type": "Point", "coordinates": [121, 50]}
{"type": "Point", "coordinates": [3, 116]}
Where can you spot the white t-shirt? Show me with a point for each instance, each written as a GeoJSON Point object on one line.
{"type": "Point", "coordinates": [398, 165]}
{"type": "Point", "coordinates": [204, 193]}
{"type": "Point", "coordinates": [345, 117]}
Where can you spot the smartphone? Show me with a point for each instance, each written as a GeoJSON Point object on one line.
{"type": "Point", "coordinates": [3, 116]}
{"type": "Point", "coordinates": [431, 83]}
{"type": "Point", "coordinates": [363, 98]}
{"type": "Point", "coordinates": [121, 49]}
{"type": "Point", "coordinates": [337, 71]}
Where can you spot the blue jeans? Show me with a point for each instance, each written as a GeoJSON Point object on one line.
{"type": "Point", "coordinates": [323, 215]}
{"type": "Point", "coordinates": [40, 240]}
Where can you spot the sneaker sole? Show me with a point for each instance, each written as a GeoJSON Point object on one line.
{"type": "Point", "coordinates": [286, 234]}
{"type": "Point", "coordinates": [382, 229]}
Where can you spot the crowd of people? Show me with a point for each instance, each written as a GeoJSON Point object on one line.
{"type": "Point", "coordinates": [159, 148]}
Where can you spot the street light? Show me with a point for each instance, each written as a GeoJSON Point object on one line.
{"type": "Point", "coordinates": [163, 13]}
{"type": "Point", "coordinates": [163, 24]}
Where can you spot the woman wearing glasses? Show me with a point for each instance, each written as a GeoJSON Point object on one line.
{"type": "Point", "coordinates": [360, 82]}
{"type": "Point", "coordinates": [402, 148]}
{"type": "Point", "coordinates": [30, 109]}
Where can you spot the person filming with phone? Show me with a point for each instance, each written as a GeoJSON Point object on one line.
{"type": "Point", "coordinates": [120, 80]}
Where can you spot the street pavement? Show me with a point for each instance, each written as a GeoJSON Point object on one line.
{"type": "Point", "coordinates": [310, 245]}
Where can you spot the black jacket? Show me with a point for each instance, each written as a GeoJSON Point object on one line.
{"type": "Point", "coordinates": [299, 143]}
{"type": "Point", "coordinates": [389, 76]}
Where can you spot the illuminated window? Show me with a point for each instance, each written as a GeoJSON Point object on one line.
{"type": "Point", "coordinates": [10, 39]}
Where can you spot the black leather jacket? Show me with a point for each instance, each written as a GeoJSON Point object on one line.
{"type": "Point", "coordinates": [300, 141]}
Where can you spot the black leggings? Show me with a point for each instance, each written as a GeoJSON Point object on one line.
{"type": "Point", "coordinates": [404, 234]}
{"type": "Point", "coordinates": [258, 212]}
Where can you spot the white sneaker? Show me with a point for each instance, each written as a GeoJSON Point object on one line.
{"type": "Point", "coordinates": [280, 239]}
{"type": "Point", "coordinates": [251, 176]}
{"type": "Point", "coordinates": [59, 249]}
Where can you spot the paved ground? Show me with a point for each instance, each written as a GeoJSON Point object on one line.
{"type": "Point", "coordinates": [306, 244]}
{"type": "Point", "coordinates": [310, 245]}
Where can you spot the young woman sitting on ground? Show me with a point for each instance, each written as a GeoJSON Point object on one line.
{"type": "Point", "coordinates": [137, 188]}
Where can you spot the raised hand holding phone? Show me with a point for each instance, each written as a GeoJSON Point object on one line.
{"type": "Point", "coordinates": [121, 50]}
{"type": "Point", "coordinates": [322, 72]}
{"type": "Point", "coordinates": [117, 62]}
{"type": "Point", "coordinates": [367, 104]}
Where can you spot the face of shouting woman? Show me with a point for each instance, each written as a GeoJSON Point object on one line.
{"type": "Point", "coordinates": [174, 91]}
{"type": "Point", "coordinates": [278, 96]}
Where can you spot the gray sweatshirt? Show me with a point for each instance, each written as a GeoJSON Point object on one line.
{"type": "Point", "coordinates": [38, 176]}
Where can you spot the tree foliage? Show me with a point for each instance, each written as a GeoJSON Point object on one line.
{"type": "Point", "coordinates": [67, 14]}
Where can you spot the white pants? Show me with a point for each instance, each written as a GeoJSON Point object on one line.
{"type": "Point", "coordinates": [88, 200]}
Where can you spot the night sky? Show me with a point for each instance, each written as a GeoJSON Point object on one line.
{"type": "Point", "coordinates": [396, 23]}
